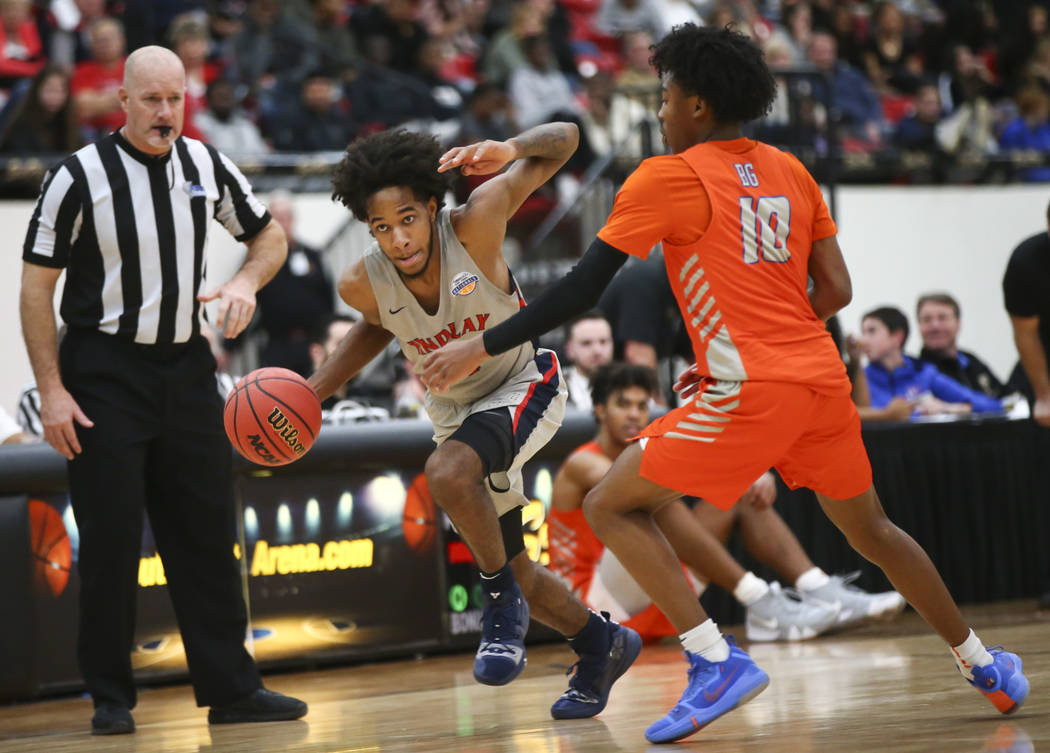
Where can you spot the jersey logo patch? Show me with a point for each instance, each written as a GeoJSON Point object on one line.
{"type": "Point", "coordinates": [464, 283]}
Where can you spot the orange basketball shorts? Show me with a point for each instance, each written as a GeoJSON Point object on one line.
{"type": "Point", "coordinates": [730, 433]}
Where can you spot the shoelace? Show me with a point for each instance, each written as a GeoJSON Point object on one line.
{"type": "Point", "coordinates": [586, 674]}
{"type": "Point", "coordinates": [499, 624]}
{"type": "Point", "coordinates": [847, 579]}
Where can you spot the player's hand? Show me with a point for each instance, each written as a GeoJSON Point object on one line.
{"type": "Point", "coordinates": [457, 360]}
{"type": "Point", "coordinates": [688, 382]}
{"type": "Point", "coordinates": [58, 411]}
{"type": "Point", "coordinates": [853, 349]}
{"type": "Point", "coordinates": [761, 494]}
{"type": "Point", "coordinates": [1041, 412]}
{"type": "Point", "coordinates": [236, 306]}
{"type": "Point", "coordinates": [482, 158]}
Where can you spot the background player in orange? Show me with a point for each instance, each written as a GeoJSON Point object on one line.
{"type": "Point", "coordinates": [622, 394]}
{"type": "Point", "coordinates": [744, 229]}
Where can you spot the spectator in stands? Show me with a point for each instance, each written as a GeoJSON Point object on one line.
{"type": "Point", "coordinates": [675, 12]}
{"type": "Point", "coordinates": [335, 42]}
{"type": "Point", "coordinates": [968, 129]}
{"type": "Point", "coordinates": [397, 23]}
{"type": "Point", "coordinates": [1030, 130]}
{"type": "Point", "coordinates": [617, 17]}
{"type": "Point", "coordinates": [918, 131]}
{"type": "Point", "coordinates": [486, 116]}
{"type": "Point", "coordinates": [446, 96]}
{"type": "Point", "coordinates": [224, 126]}
{"type": "Point", "coordinates": [617, 125]}
{"type": "Point", "coordinates": [274, 54]}
{"type": "Point", "coordinates": [504, 55]}
{"type": "Point", "coordinates": [382, 97]}
{"type": "Point", "coordinates": [638, 76]}
{"type": "Point", "coordinates": [21, 52]}
{"type": "Point", "coordinates": [939, 320]}
{"type": "Point", "coordinates": [891, 56]}
{"type": "Point", "coordinates": [328, 331]}
{"type": "Point", "coordinates": [43, 121]}
{"type": "Point", "coordinates": [798, 23]}
{"type": "Point", "coordinates": [852, 100]}
{"type": "Point", "coordinates": [538, 90]}
{"type": "Point", "coordinates": [299, 296]}
{"type": "Point", "coordinates": [317, 123]}
{"type": "Point", "coordinates": [1026, 291]}
{"type": "Point", "coordinates": [69, 38]}
{"type": "Point", "coordinates": [588, 345]}
{"type": "Point", "coordinates": [97, 81]}
{"type": "Point", "coordinates": [892, 374]}
{"type": "Point", "coordinates": [190, 41]}
{"type": "Point", "coordinates": [371, 394]}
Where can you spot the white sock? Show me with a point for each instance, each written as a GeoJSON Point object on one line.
{"type": "Point", "coordinates": [971, 653]}
{"type": "Point", "coordinates": [706, 639]}
{"type": "Point", "coordinates": [750, 589]}
{"type": "Point", "coordinates": [811, 579]}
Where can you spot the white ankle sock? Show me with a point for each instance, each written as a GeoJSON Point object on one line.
{"type": "Point", "coordinates": [811, 579]}
{"type": "Point", "coordinates": [706, 639]}
{"type": "Point", "coordinates": [971, 653]}
{"type": "Point", "coordinates": [750, 589]}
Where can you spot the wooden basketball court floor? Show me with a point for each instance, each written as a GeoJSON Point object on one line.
{"type": "Point", "coordinates": [875, 689]}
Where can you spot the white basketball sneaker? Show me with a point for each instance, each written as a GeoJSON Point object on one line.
{"type": "Point", "coordinates": [854, 604]}
{"type": "Point", "coordinates": [781, 615]}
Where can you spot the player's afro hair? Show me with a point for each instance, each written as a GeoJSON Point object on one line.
{"type": "Point", "coordinates": [386, 159]}
{"type": "Point", "coordinates": [617, 376]}
{"type": "Point", "coordinates": [721, 66]}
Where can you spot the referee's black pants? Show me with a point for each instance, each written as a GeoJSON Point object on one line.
{"type": "Point", "coordinates": [157, 444]}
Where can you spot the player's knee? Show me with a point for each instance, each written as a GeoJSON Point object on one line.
{"type": "Point", "coordinates": [450, 476]}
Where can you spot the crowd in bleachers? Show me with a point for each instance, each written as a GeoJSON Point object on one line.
{"type": "Point", "coordinates": [942, 76]}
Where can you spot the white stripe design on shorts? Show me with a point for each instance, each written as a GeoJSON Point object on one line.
{"type": "Point", "coordinates": [680, 435]}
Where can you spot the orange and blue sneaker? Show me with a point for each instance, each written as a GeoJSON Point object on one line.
{"type": "Point", "coordinates": [1002, 681]}
{"type": "Point", "coordinates": [714, 688]}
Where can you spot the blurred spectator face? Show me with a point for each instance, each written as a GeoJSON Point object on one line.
{"type": "Point", "coordinates": [91, 8]}
{"type": "Point", "coordinates": [317, 94]}
{"type": "Point", "coordinates": [877, 342]}
{"type": "Point", "coordinates": [537, 52]}
{"type": "Point", "coordinates": [938, 325]}
{"type": "Point", "coordinates": [599, 89]}
{"type": "Point", "coordinates": [403, 11]}
{"type": "Point", "coordinates": [928, 104]}
{"type": "Point", "coordinates": [264, 12]}
{"type": "Point", "coordinates": [526, 21]}
{"type": "Point", "coordinates": [888, 20]}
{"type": "Point", "coordinates": [222, 99]}
{"type": "Point", "coordinates": [636, 52]}
{"type": "Point", "coordinates": [283, 213]}
{"type": "Point", "coordinates": [337, 330]}
{"type": "Point", "coordinates": [590, 345]}
{"type": "Point", "coordinates": [1033, 104]}
{"type": "Point", "coordinates": [778, 55]}
{"type": "Point", "coordinates": [1037, 20]}
{"type": "Point", "coordinates": [823, 51]}
{"type": "Point", "coordinates": [14, 13]}
{"type": "Point", "coordinates": [192, 47]}
{"type": "Point", "coordinates": [433, 55]}
{"type": "Point", "coordinates": [54, 91]}
{"type": "Point", "coordinates": [107, 41]}
{"type": "Point", "coordinates": [488, 103]}
{"type": "Point", "coordinates": [800, 24]}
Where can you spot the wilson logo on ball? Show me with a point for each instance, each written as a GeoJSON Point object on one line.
{"type": "Point", "coordinates": [286, 430]}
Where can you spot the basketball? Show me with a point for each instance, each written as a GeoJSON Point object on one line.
{"type": "Point", "coordinates": [272, 416]}
{"type": "Point", "coordinates": [419, 519]}
{"type": "Point", "coordinates": [52, 553]}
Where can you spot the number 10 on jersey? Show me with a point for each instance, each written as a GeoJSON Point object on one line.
{"type": "Point", "coordinates": [765, 224]}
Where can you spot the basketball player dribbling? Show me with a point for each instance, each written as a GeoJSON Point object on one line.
{"type": "Point", "coordinates": [744, 226]}
{"type": "Point", "coordinates": [437, 275]}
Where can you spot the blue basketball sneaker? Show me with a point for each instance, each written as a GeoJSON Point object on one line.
{"type": "Point", "coordinates": [714, 688]}
{"type": "Point", "coordinates": [596, 672]}
{"type": "Point", "coordinates": [501, 655]}
{"type": "Point", "coordinates": [1002, 681]}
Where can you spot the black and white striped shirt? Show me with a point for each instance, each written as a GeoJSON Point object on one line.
{"type": "Point", "coordinates": [131, 228]}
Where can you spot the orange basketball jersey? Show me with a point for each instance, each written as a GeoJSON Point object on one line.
{"type": "Point", "coordinates": [737, 220]}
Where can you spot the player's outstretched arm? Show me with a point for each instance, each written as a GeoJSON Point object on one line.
{"type": "Point", "coordinates": [534, 156]}
{"type": "Point", "coordinates": [567, 298]}
{"type": "Point", "coordinates": [832, 289]}
{"type": "Point", "coordinates": [365, 340]}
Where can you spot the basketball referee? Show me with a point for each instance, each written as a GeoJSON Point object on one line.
{"type": "Point", "coordinates": [129, 396]}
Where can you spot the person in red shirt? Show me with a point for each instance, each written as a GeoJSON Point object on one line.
{"type": "Point", "coordinates": [752, 256]}
{"type": "Point", "coordinates": [96, 82]}
{"type": "Point", "coordinates": [21, 54]}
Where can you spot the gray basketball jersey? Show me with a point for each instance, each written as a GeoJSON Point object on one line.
{"type": "Point", "coordinates": [470, 304]}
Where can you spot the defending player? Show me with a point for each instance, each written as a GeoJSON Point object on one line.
{"type": "Point", "coordinates": [743, 227]}
{"type": "Point", "coordinates": [436, 275]}
{"type": "Point", "coordinates": [621, 394]}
